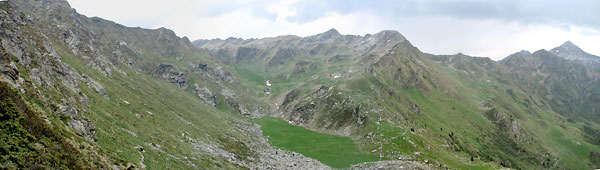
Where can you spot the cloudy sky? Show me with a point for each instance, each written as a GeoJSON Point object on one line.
{"type": "Point", "coordinates": [488, 28]}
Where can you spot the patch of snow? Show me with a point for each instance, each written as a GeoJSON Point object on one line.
{"type": "Point", "coordinates": [336, 75]}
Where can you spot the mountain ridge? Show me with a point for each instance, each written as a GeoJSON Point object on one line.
{"type": "Point", "coordinates": [570, 51]}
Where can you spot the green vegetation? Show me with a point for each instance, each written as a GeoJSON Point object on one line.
{"type": "Point", "coordinates": [27, 141]}
{"type": "Point", "coordinates": [335, 151]}
{"type": "Point", "coordinates": [388, 98]}
{"type": "Point", "coordinates": [158, 113]}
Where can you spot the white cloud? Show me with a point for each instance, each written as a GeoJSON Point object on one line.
{"type": "Point", "coordinates": [432, 34]}
{"type": "Point", "coordinates": [282, 9]}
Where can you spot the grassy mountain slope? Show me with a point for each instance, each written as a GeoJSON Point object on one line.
{"type": "Point", "coordinates": [570, 87]}
{"type": "Point", "coordinates": [142, 108]}
{"type": "Point", "coordinates": [117, 97]}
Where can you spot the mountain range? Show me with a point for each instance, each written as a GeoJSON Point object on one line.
{"type": "Point", "coordinates": [88, 93]}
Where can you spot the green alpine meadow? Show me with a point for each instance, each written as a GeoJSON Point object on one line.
{"type": "Point", "coordinates": [81, 92]}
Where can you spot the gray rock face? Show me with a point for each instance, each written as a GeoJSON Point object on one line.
{"type": "Point", "coordinates": [206, 95]}
{"type": "Point", "coordinates": [84, 128]}
{"type": "Point", "coordinates": [168, 72]}
{"type": "Point", "coordinates": [215, 73]}
{"type": "Point", "coordinates": [325, 109]}
{"type": "Point", "coordinates": [507, 125]}
{"type": "Point", "coordinates": [33, 51]}
{"type": "Point", "coordinates": [414, 107]}
{"type": "Point", "coordinates": [96, 86]}
{"type": "Point", "coordinates": [10, 74]}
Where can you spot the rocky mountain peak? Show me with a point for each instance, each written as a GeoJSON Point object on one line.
{"type": "Point", "coordinates": [331, 33]}
{"type": "Point", "coordinates": [541, 52]}
{"type": "Point", "coordinates": [525, 52]}
{"type": "Point", "coordinates": [571, 51]}
{"type": "Point", "coordinates": [233, 39]}
{"type": "Point", "coordinates": [388, 36]}
{"type": "Point", "coordinates": [391, 33]}
{"type": "Point", "coordinates": [568, 46]}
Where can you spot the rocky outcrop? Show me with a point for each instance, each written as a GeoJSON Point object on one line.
{"type": "Point", "coordinates": [206, 95]}
{"type": "Point", "coordinates": [21, 45]}
{"type": "Point", "coordinates": [217, 73]}
{"type": "Point", "coordinates": [326, 109]}
{"type": "Point", "coordinates": [506, 124]}
{"type": "Point", "coordinates": [510, 135]}
{"type": "Point", "coordinates": [168, 72]}
{"type": "Point", "coordinates": [95, 86]}
{"type": "Point", "coordinates": [9, 73]}
{"type": "Point", "coordinates": [84, 128]}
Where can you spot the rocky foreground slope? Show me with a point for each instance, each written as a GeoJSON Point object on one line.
{"type": "Point", "coordinates": [86, 93]}
{"type": "Point", "coordinates": [76, 98]}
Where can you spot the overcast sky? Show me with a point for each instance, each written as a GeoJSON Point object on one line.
{"type": "Point", "coordinates": [487, 28]}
